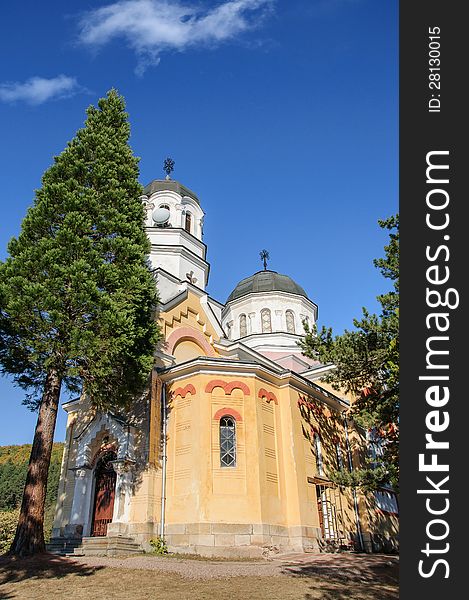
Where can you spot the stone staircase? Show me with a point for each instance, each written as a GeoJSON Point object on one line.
{"type": "Point", "coordinates": [107, 546]}
{"type": "Point", "coordinates": [63, 546]}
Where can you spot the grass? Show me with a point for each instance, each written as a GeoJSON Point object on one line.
{"type": "Point", "coordinates": [54, 578]}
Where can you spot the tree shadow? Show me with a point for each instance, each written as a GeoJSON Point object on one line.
{"type": "Point", "coordinates": [361, 577]}
{"type": "Point", "coordinates": [40, 566]}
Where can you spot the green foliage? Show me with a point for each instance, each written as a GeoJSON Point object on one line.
{"type": "Point", "coordinates": [76, 293]}
{"type": "Point", "coordinates": [13, 468]}
{"type": "Point", "coordinates": [159, 546]}
{"type": "Point", "coordinates": [8, 521]}
{"type": "Point", "coordinates": [368, 478]}
{"type": "Point", "coordinates": [366, 363]}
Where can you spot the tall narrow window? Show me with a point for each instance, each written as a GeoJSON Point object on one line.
{"type": "Point", "coordinates": [243, 326]}
{"type": "Point", "coordinates": [188, 222]}
{"type": "Point", "coordinates": [227, 442]}
{"type": "Point", "coordinates": [266, 321]}
{"type": "Point", "coordinates": [290, 318]}
{"type": "Point", "coordinates": [318, 451]}
{"type": "Point", "coordinates": [339, 457]}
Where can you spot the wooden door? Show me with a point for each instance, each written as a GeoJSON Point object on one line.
{"type": "Point", "coordinates": [105, 487]}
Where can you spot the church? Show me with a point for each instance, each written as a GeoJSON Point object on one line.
{"type": "Point", "coordinates": [228, 454]}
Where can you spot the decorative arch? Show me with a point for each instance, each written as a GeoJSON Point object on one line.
{"type": "Point", "coordinates": [188, 333]}
{"type": "Point", "coordinates": [227, 412]}
{"type": "Point", "coordinates": [121, 434]}
{"type": "Point", "coordinates": [188, 389]}
{"type": "Point", "coordinates": [111, 447]}
{"type": "Point", "coordinates": [227, 386]}
{"type": "Point", "coordinates": [269, 396]}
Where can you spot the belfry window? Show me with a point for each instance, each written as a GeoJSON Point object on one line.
{"type": "Point", "coordinates": [188, 222]}
{"type": "Point", "coordinates": [243, 326]}
{"type": "Point", "coordinates": [290, 318]}
{"type": "Point", "coordinates": [227, 442]}
{"type": "Point", "coordinates": [266, 321]}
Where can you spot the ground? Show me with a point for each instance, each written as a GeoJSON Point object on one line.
{"type": "Point", "coordinates": [288, 577]}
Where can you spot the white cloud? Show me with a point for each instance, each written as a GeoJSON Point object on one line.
{"type": "Point", "coordinates": [152, 26]}
{"type": "Point", "coordinates": [37, 90]}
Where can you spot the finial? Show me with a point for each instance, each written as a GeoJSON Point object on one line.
{"type": "Point", "coordinates": [168, 167]}
{"type": "Point", "coordinates": [264, 254]}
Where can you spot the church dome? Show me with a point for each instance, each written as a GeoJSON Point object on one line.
{"type": "Point", "coordinates": [171, 185]}
{"type": "Point", "coordinates": [266, 281]}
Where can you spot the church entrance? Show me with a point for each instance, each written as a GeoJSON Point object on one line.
{"type": "Point", "coordinates": [105, 489]}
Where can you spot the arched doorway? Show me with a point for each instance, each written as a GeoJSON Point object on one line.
{"type": "Point", "coordinates": [105, 489]}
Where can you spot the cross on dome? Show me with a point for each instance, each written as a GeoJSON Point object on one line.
{"type": "Point", "coordinates": [264, 254]}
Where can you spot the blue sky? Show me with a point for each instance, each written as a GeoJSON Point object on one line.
{"type": "Point", "coordinates": [281, 115]}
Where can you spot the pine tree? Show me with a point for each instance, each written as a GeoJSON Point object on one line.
{"type": "Point", "coordinates": [366, 363]}
{"type": "Point", "coordinates": [77, 296]}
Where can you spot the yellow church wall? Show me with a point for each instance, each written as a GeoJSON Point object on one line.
{"type": "Point", "coordinates": [187, 321]}
{"type": "Point", "coordinates": [146, 502]}
{"type": "Point", "coordinates": [187, 350]}
{"type": "Point", "coordinates": [198, 485]}
{"type": "Point", "coordinates": [259, 499]}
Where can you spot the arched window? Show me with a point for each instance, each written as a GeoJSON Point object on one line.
{"type": "Point", "coordinates": [318, 452]}
{"type": "Point", "coordinates": [188, 222]}
{"type": "Point", "coordinates": [227, 442]}
{"type": "Point", "coordinates": [243, 326]}
{"type": "Point", "coordinates": [266, 321]}
{"type": "Point", "coordinates": [290, 318]}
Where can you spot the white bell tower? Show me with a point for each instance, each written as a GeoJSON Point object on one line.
{"type": "Point", "coordinates": [174, 223]}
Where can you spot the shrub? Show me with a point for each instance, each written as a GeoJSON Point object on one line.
{"type": "Point", "coordinates": [159, 546]}
{"type": "Point", "coordinates": [8, 522]}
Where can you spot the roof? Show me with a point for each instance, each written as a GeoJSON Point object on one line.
{"type": "Point", "coordinates": [266, 281]}
{"type": "Point", "coordinates": [161, 185]}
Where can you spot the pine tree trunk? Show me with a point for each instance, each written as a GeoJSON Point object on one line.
{"type": "Point", "coordinates": [29, 537]}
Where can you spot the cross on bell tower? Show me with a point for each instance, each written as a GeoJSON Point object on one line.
{"type": "Point", "coordinates": [264, 254]}
{"type": "Point", "coordinates": [168, 167]}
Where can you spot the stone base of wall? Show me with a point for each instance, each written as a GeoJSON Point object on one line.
{"type": "Point", "coordinates": [378, 542]}
{"type": "Point", "coordinates": [230, 540]}
{"type": "Point", "coordinates": [384, 543]}
{"type": "Point", "coordinates": [233, 540]}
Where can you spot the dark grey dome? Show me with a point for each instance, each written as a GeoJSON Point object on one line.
{"type": "Point", "coordinates": [266, 281]}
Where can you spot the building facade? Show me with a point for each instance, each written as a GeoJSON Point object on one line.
{"type": "Point", "coordinates": [229, 452]}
